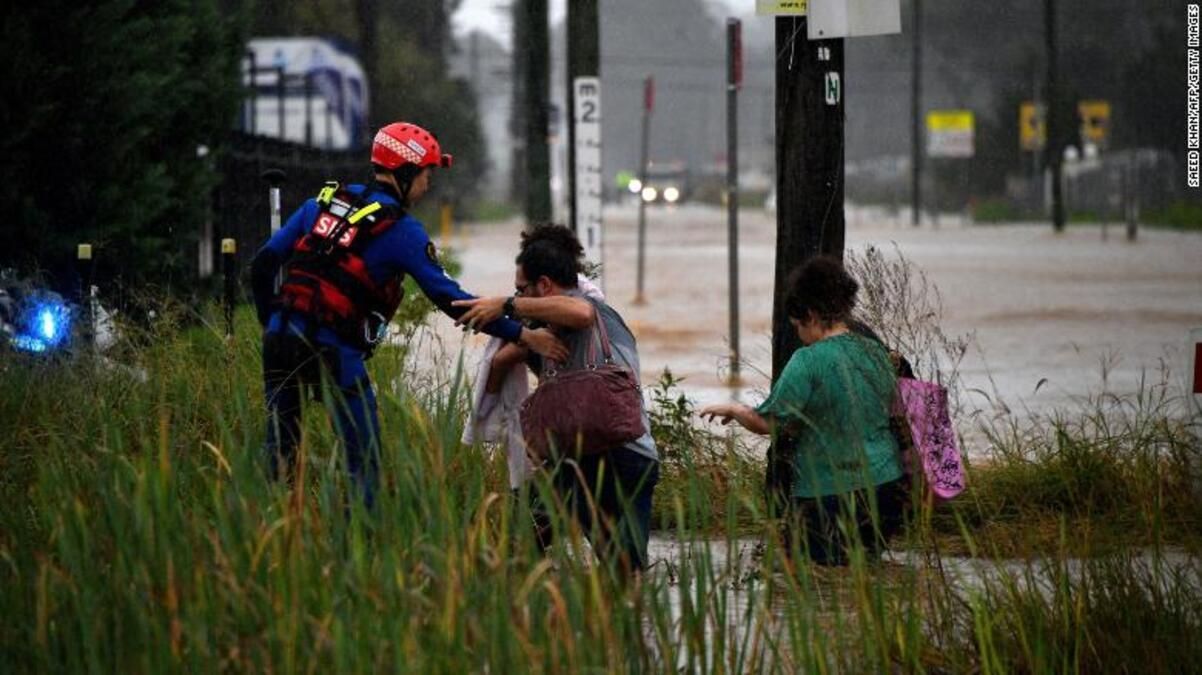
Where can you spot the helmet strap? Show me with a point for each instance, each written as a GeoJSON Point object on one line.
{"type": "Point", "coordinates": [404, 176]}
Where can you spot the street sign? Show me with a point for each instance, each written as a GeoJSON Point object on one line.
{"type": "Point", "coordinates": [950, 133]}
{"type": "Point", "coordinates": [832, 90]}
{"type": "Point", "coordinates": [1032, 127]}
{"type": "Point", "coordinates": [1095, 122]}
{"type": "Point", "coordinates": [829, 19]}
{"type": "Point", "coordinates": [586, 117]}
{"type": "Point", "coordinates": [780, 7]}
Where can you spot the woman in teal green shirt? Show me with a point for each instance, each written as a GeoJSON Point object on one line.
{"type": "Point", "coordinates": [834, 398]}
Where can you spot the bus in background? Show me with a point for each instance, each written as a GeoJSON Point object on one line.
{"type": "Point", "coordinates": [306, 90]}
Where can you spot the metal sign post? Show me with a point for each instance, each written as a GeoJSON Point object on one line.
{"type": "Point", "coordinates": [586, 121]}
{"type": "Point", "coordinates": [648, 106]}
{"type": "Point", "coordinates": [734, 79]}
{"type": "Point", "coordinates": [275, 179]}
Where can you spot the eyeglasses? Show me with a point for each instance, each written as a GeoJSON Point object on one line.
{"type": "Point", "coordinates": [521, 290]}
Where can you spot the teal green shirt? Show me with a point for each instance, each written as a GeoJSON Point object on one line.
{"type": "Point", "coordinates": [834, 397]}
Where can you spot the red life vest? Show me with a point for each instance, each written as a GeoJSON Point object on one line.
{"type": "Point", "coordinates": [326, 278]}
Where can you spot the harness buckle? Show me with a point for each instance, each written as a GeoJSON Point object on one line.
{"type": "Point", "coordinates": [375, 329]}
{"type": "Point", "coordinates": [327, 193]}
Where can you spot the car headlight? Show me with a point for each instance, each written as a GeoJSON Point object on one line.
{"type": "Point", "coordinates": [649, 194]}
{"type": "Point", "coordinates": [671, 194]}
{"type": "Point", "coordinates": [635, 186]}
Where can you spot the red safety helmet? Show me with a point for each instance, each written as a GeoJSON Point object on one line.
{"type": "Point", "coordinates": [401, 143]}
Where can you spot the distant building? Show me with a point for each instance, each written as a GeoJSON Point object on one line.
{"type": "Point", "coordinates": [305, 90]}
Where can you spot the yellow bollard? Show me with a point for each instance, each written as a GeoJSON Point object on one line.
{"type": "Point", "coordinates": [229, 271]}
{"type": "Point", "coordinates": [445, 213]}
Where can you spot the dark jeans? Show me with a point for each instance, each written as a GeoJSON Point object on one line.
{"type": "Point", "coordinates": [616, 487]}
{"type": "Point", "coordinates": [294, 368]}
{"type": "Point", "coordinates": [827, 528]}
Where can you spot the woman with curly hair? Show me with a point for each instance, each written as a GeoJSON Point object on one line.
{"type": "Point", "coordinates": [834, 398]}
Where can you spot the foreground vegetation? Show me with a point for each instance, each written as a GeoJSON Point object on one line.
{"type": "Point", "coordinates": [138, 534]}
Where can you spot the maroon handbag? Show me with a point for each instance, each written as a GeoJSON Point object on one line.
{"type": "Point", "coordinates": [586, 411]}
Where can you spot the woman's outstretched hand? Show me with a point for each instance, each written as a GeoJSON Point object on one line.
{"type": "Point", "coordinates": [745, 415]}
{"type": "Point", "coordinates": [724, 412]}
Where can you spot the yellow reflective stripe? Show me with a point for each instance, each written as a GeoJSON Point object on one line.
{"type": "Point", "coordinates": [327, 193]}
{"type": "Point", "coordinates": [364, 212]}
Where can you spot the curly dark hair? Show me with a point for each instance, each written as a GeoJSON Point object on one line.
{"type": "Point", "coordinates": [552, 251]}
{"type": "Point", "coordinates": [822, 286]}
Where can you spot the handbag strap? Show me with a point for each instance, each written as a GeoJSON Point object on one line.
{"type": "Point", "coordinates": [599, 332]}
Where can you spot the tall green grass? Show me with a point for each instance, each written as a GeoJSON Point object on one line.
{"type": "Point", "coordinates": [138, 534]}
{"type": "Point", "coordinates": [1121, 470]}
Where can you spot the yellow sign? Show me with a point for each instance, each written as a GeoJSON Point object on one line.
{"type": "Point", "coordinates": [1032, 128]}
{"type": "Point", "coordinates": [950, 133]}
{"type": "Point", "coordinates": [949, 120]}
{"type": "Point", "coordinates": [781, 7]}
{"type": "Point", "coordinates": [1095, 121]}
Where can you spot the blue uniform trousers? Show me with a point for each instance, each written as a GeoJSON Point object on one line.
{"type": "Point", "coordinates": [293, 368]}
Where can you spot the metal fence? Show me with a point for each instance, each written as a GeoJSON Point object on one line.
{"type": "Point", "coordinates": [1117, 186]}
{"type": "Point", "coordinates": [1138, 184]}
{"type": "Point", "coordinates": [240, 203]}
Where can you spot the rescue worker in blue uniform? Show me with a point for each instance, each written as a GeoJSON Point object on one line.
{"type": "Point", "coordinates": [341, 258]}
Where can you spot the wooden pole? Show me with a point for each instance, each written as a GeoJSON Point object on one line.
{"type": "Point", "coordinates": [537, 103]}
{"type": "Point", "coordinates": [809, 163]}
{"type": "Point", "coordinates": [584, 60]}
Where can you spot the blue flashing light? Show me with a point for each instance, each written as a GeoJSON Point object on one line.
{"type": "Point", "coordinates": [44, 326]}
{"type": "Point", "coordinates": [26, 343]}
{"type": "Point", "coordinates": [47, 323]}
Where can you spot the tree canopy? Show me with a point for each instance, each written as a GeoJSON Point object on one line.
{"type": "Point", "coordinates": [108, 109]}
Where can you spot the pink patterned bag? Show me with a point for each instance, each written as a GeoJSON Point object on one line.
{"type": "Point", "coordinates": [934, 440]}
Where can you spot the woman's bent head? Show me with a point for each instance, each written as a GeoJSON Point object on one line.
{"type": "Point", "coordinates": [821, 297]}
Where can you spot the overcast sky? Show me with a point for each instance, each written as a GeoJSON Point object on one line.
{"type": "Point", "coordinates": [492, 16]}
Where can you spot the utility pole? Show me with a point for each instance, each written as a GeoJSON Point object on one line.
{"type": "Point", "coordinates": [1054, 148]}
{"type": "Point", "coordinates": [367, 18]}
{"type": "Point", "coordinates": [648, 107]}
{"type": "Point", "coordinates": [734, 80]}
{"type": "Point", "coordinates": [280, 93]}
{"type": "Point", "coordinates": [473, 56]}
{"type": "Point", "coordinates": [1038, 149]}
{"type": "Point", "coordinates": [584, 60]}
{"type": "Point", "coordinates": [517, 116]}
{"type": "Point", "coordinates": [309, 109]}
{"type": "Point", "coordinates": [537, 97]}
{"type": "Point", "coordinates": [809, 163]}
{"type": "Point", "coordinates": [916, 149]}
